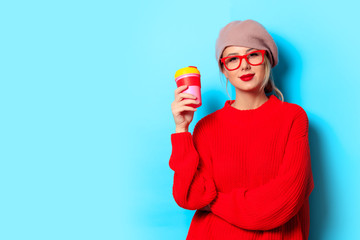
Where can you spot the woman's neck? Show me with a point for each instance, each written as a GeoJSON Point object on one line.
{"type": "Point", "coordinates": [247, 100]}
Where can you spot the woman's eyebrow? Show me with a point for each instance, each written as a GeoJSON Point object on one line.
{"type": "Point", "coordinates": [238, 53]}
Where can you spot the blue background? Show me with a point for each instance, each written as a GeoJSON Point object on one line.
{"type": "Point", "coordinates": [85, 98]}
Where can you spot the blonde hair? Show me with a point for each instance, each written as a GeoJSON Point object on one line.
{"type": "Point", "coordinates": [268, 84]}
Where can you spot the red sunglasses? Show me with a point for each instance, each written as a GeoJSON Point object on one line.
{"type": "Point", "coordinates": [253, 58]}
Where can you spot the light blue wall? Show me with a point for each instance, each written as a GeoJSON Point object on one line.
{"type": "Point", "coordinates": [85, 95]}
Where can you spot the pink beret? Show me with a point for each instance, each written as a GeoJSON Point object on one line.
{"type": "Point", "coordinates": [247, 33]}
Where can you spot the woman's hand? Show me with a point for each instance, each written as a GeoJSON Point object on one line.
{"type": "Point", "coordinates": [183, 115]}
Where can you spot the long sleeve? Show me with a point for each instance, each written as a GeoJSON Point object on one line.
{"type": "Point", "coordinates": [193, 187]}
{"type": "Point", "coordinates": [276, 202]}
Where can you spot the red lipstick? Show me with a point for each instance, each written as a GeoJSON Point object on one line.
{"type": "Point", "coordinates": [247, 77]}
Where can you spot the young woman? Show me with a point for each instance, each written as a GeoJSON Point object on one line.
{"type": "Point", "coordinates": [246, 169]}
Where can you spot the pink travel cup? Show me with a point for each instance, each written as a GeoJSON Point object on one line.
{"type": "Point", "coordinates": [190, 76]}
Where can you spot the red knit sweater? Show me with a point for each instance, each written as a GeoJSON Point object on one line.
{"type": "Point", "coordinates": [252, 166]}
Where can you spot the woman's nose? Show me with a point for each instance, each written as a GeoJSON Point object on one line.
{"type": "Point", "coordinates": [244, 64]}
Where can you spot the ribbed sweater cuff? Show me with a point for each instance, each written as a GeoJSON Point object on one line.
{"type": "Point", "coordinates": [182, 147]}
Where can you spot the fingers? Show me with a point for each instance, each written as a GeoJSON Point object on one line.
{"type": "Point", "coordinates": [182, 100]}
{"type": "Point", "coordinates": [177, 104]}
{"type": "Point", "coordinates": [178, 107]}
{"type": "Point", "coordinates": [187, 102]}
{"type": "Point", "coordinates": [179, 95]}
{"type": "Point", "coordinates": [180, 89]}
{"type": "Point", "coordinates": [186, 108]}
{"type": "Point", "coordinates": [185, 95]}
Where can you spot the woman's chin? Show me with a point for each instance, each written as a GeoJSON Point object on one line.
{"type": "Point", "coordinates": [248, 88]}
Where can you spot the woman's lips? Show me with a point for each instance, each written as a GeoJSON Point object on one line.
{"type": "Point", "coordinates": [247, 77]}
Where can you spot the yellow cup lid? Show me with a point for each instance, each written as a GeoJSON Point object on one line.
{"type": "Point", "coordinates": [186, 70]}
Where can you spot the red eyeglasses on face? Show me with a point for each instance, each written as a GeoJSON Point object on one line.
{"type": "Point", "coordinates": [233, 62]}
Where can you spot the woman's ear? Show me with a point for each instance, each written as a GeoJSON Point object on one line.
{"type": "Point", "coordinates": [224, 72]}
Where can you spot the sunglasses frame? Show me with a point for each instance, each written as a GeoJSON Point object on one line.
{"type": "Point", "coordinates": [243, 56]}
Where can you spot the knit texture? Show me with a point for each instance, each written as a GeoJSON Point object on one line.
{"type": "Point", "coordinates": [252, 166]}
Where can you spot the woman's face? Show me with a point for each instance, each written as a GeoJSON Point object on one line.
{"type": "Point", "coordinates": [245, 68]}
